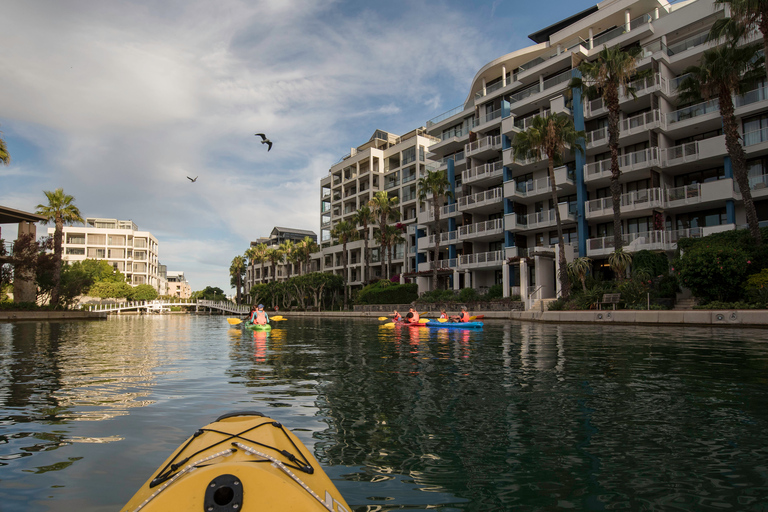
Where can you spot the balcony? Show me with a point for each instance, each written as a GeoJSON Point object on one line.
{"type": "Point", "coordinates": [482, 260]}
{"type": "Point", "coordinates": [692, 112]}
{"type": "Point", "coordinates": [636, 201]}
{"type": "Point", "coordinates": [445, 115]}
{"type": "Point", "coordinates": [753, 96]}
{"type": "Point", "coordinates": [447, 237]}
{"type": "Point", "coordinates": [483, 172]}
{"type": "Point", "coordinates": [524, 123]}
{"type": "Point", "coordinates": [482, 230]}
{"type": "Point", "coordinates": [547, 218]}
{"type": "Point", "coordinates": [449, 210]}
{"type": "Point", "coordinates": [529, 188]}
{"type": "Point", "coordinates": [687, 44]}
{"type": "Point", "coordinates": [484, 147]}
{"type": "Point", "coordinates": [638, 160]}
{"type": "Point", "coordinates": [441, 265]}
{"type": "Point", "coordinates": [643, 21]}
{"type": "Point", "coordinates": [649, 240]}
{"type": "Point", "coordinates": [641, 87]}
{"type": "Point", "coordinates": [488, 117]}
{"type": "Point", "coordinates": [755, 137]}
{"type": "Point", "coordinates": [477, 201]}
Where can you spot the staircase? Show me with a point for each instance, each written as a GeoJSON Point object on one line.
{"type": "Point", "coordinates": [684, 300]}
{"type": "Point", "coordinates": [537, 306]}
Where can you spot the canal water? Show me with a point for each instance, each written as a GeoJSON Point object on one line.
{"type": "Point", "coordinates": [517, 416]}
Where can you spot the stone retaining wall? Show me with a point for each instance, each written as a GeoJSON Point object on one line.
{"type": "Point", "coordinates": [38, 316]}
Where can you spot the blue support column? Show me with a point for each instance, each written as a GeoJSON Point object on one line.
{"type": "Point", "coordinates": [730, 206]}
{"type": "Point", "coordinates": [581, 160]}
{"type": "Point", "coordinates": [452, 180]}
{"type": "Point", "coordinates": [506, 110]}
{"type": "Point", "coordinates": [507, 173]}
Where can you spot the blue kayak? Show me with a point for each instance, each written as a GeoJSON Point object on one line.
{"type": "Point", "coordinates": [456, 325]}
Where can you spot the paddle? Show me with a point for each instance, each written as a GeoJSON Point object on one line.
{"type": "Point", "coordinates": [390, 324]}
{"type": "Point", "coordinates": [442, 320]}
{"type": "Point", "coordinates": [277, 318]}
{"type": "Point", "coordinates": [234, 321]}
{"type": "Point", "coordinates": [478, 317]}
{"type": "Point", "coordinates": [382, 318]}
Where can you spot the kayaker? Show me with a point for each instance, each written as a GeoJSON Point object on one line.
{"type": "Point", "coordinates": [260, 316]}
{"type": "Point", "coordinates": [396, 317]}
{"type": "Point", "coordinates": [463, 317]}
{"type": "Point", "coordinates": [413, 316]}
{"type": "Point", "coordinates": [443, 314]}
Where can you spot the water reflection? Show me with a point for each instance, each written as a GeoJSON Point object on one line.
{"type": "Point", "coordinates": [516, 416]}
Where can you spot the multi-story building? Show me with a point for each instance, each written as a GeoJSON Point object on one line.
{"type": "Point", "coordinates": [132, 252]}
{"type": "Point", "coordinates": [676, 177]}
{"type": "Point", "coordinates": [278, 235]}
{"type": "Point", "coordinates": [178, 285]}
{"type": "Point", "coordinates": [386, 162]}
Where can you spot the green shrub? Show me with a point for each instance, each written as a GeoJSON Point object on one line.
{"type": "Point", "coordinates": [494, 292]}
{"type": "Point", "coordinates": [655, 264]}
{"type": "Point", "coordinates": [714, 272]}
{"type": "Point", "coordinates": [558, 305]}
{"type": "Point", "coordinates": [468, 295]}
{"type": "Point", "coordinates": [729, 305]}
{"type": "Point", "coordinates": [385, 292]}
{"type": "Point", "coordinates": [434, 296]}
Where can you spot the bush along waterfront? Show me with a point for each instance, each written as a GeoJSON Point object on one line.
{"type": "Point", "coordinates": [723, 271]}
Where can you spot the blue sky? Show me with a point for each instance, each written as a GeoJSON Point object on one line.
{"type": "Point", "coordinates": [117, 102]}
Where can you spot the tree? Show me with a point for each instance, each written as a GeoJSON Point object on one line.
{"type": "Point", "coordinates": [60, 210]}
{"type": "Point", "coordinates": [289, 253]}
{"type": "Point", "coordinates": [209, 293]}
{"type": "Point", "coordinates": [274, 255]}
{"type": "Point", "coordinates": [548, 137]}
{"type": "Point", "coordinates": [619, 262]}
{"type": "Point", "coordinates": [393, 236]}
{"type": "Point", "coordinates": [435, 184]}
{"type": "Point", "coordinates": [5, 157]}
{"type": "Point", "coordinates": [256, 254]}
{"type": "Point", "coordinates": [579, 268]}
{"type": "Point", "coordinates": [364, 217]}
{"type": "Point", "coordinates": [236, 271]}
{"type": "Point", "coordinates": [384, 208]}
{"type": "Point", "coordinates": [305, 249]}
{"type": "Point", "coordinates": [723, 71]}
{"type": "Point", "coordinates": [746, 15]}
{"type": "Point", "coordinates": [606, 77]}
{"type": "Point", "coordinates": [344, 232]}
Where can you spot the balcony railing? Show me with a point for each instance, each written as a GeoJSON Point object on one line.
{"type": "Point", "coordinates": [491, 170]}
{"type": "Point", "coordinates": [445, 237]}
{"type": "Point", "coordinates": [693, 111]}
{"type": "Point", "coordinates": [524, 123]}
{"type": "Point", "coordinates": [533, 187]}
{"type": "Point", "coordinates": [635, 200]}
{"type": "Point", "coordinates": [688, 152]}
{"type": "Point", "coordinates": [755, 137]}
{"type": "Point", "coordinates": [490, 116]}
{"type": "Point", "coordinates": [445, 115]}
{"type": "Point", "coordinates": [629, 162]}
{"type": "Point", "coordinates": [481, 258]}
{"type": "Point", "coordinates": [445, 211]}
{"type": "Point", "coordinates": [756, 182]}
{"type": "Point", "coordinates": [494, 195]}
{"type": "Point", "coordinates": [683, 195]}
{"type": "Point", "coordinates": [759, 94]}
{"type": "Point", "coordinates": [525, 93]}
{"type": "Point", "coordinates": [482, 228]}
{"type": "Point", "coordinates": [687, 44]}
{"type": "Point", "coordinates": [640, 21]}
{"type": "Point", "coordinates": [556, 80]}
{"type": "Point", "coordinates": [652, 240]}
{"type": "Point", "coordinates": [490, 141]}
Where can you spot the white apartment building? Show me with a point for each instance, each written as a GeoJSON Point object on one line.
{"type": "Point", "coordinates": [278, 235]}
{"type": "Point", "coordinates": [386, 162]}
{"type": "Point", "coordinates": [132, 252]}
{"type": "Point", "coordinates": [177, 285]}
{"type": "Point", "coordinates": [676, 175]}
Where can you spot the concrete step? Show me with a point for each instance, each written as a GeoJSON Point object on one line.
{"type": "Point", "coordinates": [685, 303]}
{"type": "Point", "coordinates": [537, 306]}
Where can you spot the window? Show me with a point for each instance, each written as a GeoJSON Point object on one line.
{"type": "Point", "coordinates": [706, 218]}
{"type": "Point", "coordinates": [76, 251]}
{"type": "Point", "coordinates": [707, 175]}
{"type": "Point", "coordinates": [116, 239]}
{"type": "Point", "coordinates": [97, 253]}
{"type": "Point", "coordinates": [116, 253]}
{"type": "Point", "coordinates": [94, 239]}
{"type": "Point", "coordinates": [570, 236]}
{"type": "Point", "coordinates": [76, 239]}
{"type": "Point", "coordinates": [409, 155]}
{"type": "Point", "coordinates": [640, 225]}
{"type": "Point", "coordinates": [421, 153]}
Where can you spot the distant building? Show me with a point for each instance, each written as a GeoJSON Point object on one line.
{"type": "Point", "coordinates": [178, 285]}
{"type": "Point", "coordinates": [277, 236]}
{"type": "Point", "coordinates": [119, 242]}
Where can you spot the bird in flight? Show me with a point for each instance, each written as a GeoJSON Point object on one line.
{"type": "Point", "coordinates": [265, 140]}
{"type": "Point", "coordinates": [192, 180]}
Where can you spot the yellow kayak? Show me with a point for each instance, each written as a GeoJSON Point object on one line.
{"type": "Point", "coordinates": [243, 461]}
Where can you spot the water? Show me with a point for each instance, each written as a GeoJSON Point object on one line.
{"type": "Point", "coordinates": [514, 417]}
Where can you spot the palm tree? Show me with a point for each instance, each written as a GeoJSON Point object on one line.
{"type": "Point", "coordinates": [257, 254]}
{"type": "Point", "coordinates": [305, 248]}
{"type": "Point", "coordinates": [606, 77]}
{"type": "Point", "coordinates": [5, 157]}
{"type": "Point", "coordinates": [723, 71]}
{"type": "Point", "coordinates": [579, 268]}
{"type": "Point", "coordinates": [364, 217]}
{"type": "Point", "coordinates": [394, 236]}
{"type": "Point", "coordinates": [746, 16]}
{"type": "Point", "coordinates": [436, 184]}
{"type": "Point", "coordinates": [289, 253]}
{"type": "Point", "coordinates": [61, 210]}
{"type": "Point", "coordinates": [549, 137]}
{"type": "Point", "coordinates": [236, 270]}
{"type": "Point", "coordinates": [274, 255]}
{"type": "Point", "coordinates": [384, 208]}
{"type": "Point", "coordinates": [344, 231]}
{"type": "Point", "coordinates": [619, 262]}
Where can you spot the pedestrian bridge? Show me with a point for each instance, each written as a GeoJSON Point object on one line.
{"type": "Point", "coordinates": [164, 306]}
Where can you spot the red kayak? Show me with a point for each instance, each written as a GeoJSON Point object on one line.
{"type": "Point", "coordinates": [409, 324]}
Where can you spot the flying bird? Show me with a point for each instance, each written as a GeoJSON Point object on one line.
{"type": "Point", "coordinates": [265, 140]}
{"type": "Point", "coordinates": [192, 180]}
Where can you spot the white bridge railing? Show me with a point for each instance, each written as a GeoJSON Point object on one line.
{"type": "Point", "coordinates": [159, 306]}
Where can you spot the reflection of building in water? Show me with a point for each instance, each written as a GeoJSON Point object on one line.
{"type": "Point", "coordinates": [540, 349]}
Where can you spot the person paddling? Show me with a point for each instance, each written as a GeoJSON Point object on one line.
{"type": "Point", "coordinates": [260, 317]}
{"type": "Point", "coordinates": [396, 317]}
{"type": "Point", "coordinates": [463, 316]}
{"type": "Point", "coordinates": [412, 316]}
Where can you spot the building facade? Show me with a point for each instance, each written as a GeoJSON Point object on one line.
{"type": "Point", "coordinates": [133, 252]}
{"type": "Point", "coordinates": [676, 176]}
{"type": "Point", "coordinates": [387, 162]}
{"type": "Point", "coordinates": [278, 236]}
{"type": "Point", "coordinates": [177, 285]}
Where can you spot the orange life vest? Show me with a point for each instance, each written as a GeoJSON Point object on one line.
{"type": "Point", "coordinates": [415, 318]}
{"type": "Point", "coordinates": [260, 318]}
{"type": "Point", "coordinates": [464, 317]}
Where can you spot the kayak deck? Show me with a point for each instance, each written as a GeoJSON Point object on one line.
{"type": "Point", "coordinates": [242, 461]}
{"type": "Point", "coordinates": [456, 325]}
{"type": "Point", "coordinates": [257, 327]}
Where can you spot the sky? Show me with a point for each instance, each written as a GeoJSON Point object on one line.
{"type": "Point", "coordinates": [118, 102]}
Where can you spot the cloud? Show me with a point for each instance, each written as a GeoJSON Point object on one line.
{"type": "Point", "coordinates": [120, 101]}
